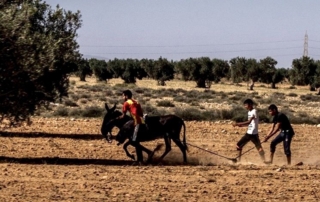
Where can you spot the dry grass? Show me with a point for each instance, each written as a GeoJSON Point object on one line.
{"type": "Point", "coordinates": [222, 101]}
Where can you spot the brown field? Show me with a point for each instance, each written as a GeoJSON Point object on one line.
{"type": "Point", "coordinates": [58, 159]}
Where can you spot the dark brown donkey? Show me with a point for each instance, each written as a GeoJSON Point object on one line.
{"type": "Point", "coordinates": [167, 127]}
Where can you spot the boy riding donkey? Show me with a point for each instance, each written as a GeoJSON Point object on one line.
{"type": "Point", "coordinates": [136, 112]}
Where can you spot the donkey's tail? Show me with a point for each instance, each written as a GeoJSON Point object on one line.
{"type": "Point", "coordinates": [184, 136]}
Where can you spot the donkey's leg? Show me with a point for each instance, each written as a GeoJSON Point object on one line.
{"type": "Point", "coordinates": [168, 146]}
{"type": "Point", "coordinates": [148, 151]}
{"type": "Point", "coordinates": [139, 149]}
{"type": "Point", "coordinates": [182, 148]}
{"type": "Point", "coordinates": [125, 147]}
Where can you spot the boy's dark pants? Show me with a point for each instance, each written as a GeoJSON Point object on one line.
{"type": "Point", "coordinates": [285, 137]}
{"type": "Point", "coordinates": [255, 140]}
{"type": "Point", "coordinates": [247, 138]}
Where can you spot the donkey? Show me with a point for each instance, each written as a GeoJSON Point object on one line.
{"type": "Point", "coordinates": [110, 121]}
{"type": "Point", "coordinates": [167, 127]}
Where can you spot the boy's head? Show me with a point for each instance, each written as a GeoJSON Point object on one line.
{"type": "Point", "coordinates": [273, 109]}
{"type": "Point", "coordinates": [248, 104]}
{"type": "Point", "coordinates": [127, 94]}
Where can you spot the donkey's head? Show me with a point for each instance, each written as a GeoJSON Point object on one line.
{"type": "Point", "coordinates": [108, 121]}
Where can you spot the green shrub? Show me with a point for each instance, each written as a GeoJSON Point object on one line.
{"type": "Point", "coordinates": [75, 97]}
{"type": "Point", "coordinates": [150, 110]}
{"type": "Point", "coordinates": [84, 95]}
{"type": "Point", "coordinates": [292, 95]}
{"type": "Point", "coordinates": [70, 103]}
{"type": "Point", "coordinates": [83, 101]}
{"type": "Point", "coordinates": [75, 112]}
{"type": "Point", "coordinates": [179, 99]}
{"type": "Point", "coordinates": [195, 104]}
{"type": "Point", "coordinates": [189, 114]}
{"type": "Point", "coordinates": [61, 111]}
{"type": "Point", "coordinates": [92, 111]}
{"type": "Point", "coordinates": [139, 90]}
{"type": "Point", "coordinates": [165, 103]}
{"type": "Point", "coordinates": [292, 87]}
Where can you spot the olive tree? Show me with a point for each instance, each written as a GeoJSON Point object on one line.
{"type": "Point", "coordinates": [38, 51]}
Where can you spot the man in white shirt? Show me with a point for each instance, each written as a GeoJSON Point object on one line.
{"type": "Point", "coordinates": [252, 132]}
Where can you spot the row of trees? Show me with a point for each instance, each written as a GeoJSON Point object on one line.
{"type": "Point", "coordinates": [204, 71]}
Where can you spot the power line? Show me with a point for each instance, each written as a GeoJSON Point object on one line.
{"type": "Point", "coordinates": [229, 51]}
{"type": "Point", "coordinates": [195, 45]}
{"type": "Point", "coordinates": [314, 48]}
{"type": "Point", "coordinates": [314, 40]}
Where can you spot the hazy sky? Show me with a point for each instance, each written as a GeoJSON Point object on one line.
{"type": "Point", "coordinates": [178, 29]}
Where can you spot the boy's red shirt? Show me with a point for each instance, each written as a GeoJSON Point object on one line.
{"type": "Point", "coordinates": [135, 110]}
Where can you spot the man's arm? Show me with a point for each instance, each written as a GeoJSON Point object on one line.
{"type": "Point", "coordinates": [245, 123]}
{"type": "Point", "coordinates": [275, 128]}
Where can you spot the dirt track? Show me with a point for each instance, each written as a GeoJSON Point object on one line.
{"type": "Point", "coordinates": [64, 160]}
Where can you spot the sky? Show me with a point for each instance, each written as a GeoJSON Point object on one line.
{"type": "Point", "coordinates": [179, 29]}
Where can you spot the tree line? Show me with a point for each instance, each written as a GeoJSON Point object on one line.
{"type": "Point", "coordinates": [38, 52]}
{"type": "Point", "coordinates": [205, 71]}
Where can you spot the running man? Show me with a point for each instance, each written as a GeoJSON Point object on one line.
{"type": "Point", "coordinates": [252, 131]}
{"type": "Point", "coordinates": [280, 123]}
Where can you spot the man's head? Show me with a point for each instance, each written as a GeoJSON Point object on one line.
{"type": "Point", "coordinates": [127, 94]}
{"type": "Point", "coordinates": [273, 109]}
{"type": "Point", "coordinates": [248, 104]}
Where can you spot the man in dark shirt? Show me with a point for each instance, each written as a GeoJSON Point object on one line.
{"type": "Point", "coordinates": [282, 123]}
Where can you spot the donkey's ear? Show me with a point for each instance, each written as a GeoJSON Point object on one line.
{"type": "Point", "coordinates": [106, 106]}
{"type": "Point", "coordinates": [114, 106]}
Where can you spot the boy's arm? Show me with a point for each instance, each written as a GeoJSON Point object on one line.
{"type": "Point", "coordinates": [245, 123]}
{"type": "Point", "coordinates": [275, 128]}
{"type": "Point", "coordinates": [124, 110]}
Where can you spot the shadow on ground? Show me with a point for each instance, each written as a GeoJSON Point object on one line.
{"type": "Point", "coordinates": [76, 161]}
{"type": "Point", "coordinates": [51, 135]}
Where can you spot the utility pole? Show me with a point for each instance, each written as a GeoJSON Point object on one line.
{"type": "Point", "coordinates": [305, 50]}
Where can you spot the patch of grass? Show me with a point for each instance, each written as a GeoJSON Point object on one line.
{"type": "Point", "coordinates": [61, 111]}
{"type": "Point", "coordinates": [75, 97]}
{"type": "Point", "coordinates": [292, 87]}
{"type": "Point", "coordinates": [195, 104]}
{"type": "Point", "coordinates": [310, 97]}
{"type": "Point", "coordinates": [147, 95]}
{"type": "Point", "coordinates": [102, 98]}
{"type": "Point", "coordinates": [92, 111]}
{"type": "Point", "coordinates": [190, 114]}
{"type": "Point", "coordinates": [165, 103]}
{"type": "Point", "coordinates": [83, 101]}
{"type": "Point", "coordinates": [84, 95]}
{"type": "Point", "coordinates": [70, 103]}
{"type": "Point", "coordinates": [235, 98]}
{"type": "Point", "coordinates": [72, 82]}
{"type": "Point", "coordinates": [113, 101]}
{"type": "Point", "coordinates": [278, 95]}
{"type": "Point", "coordinates": [139, 90]}
{"type": "Point", "coordinates": [150, 110]}
{"type": "Point", "coordinates": [75, 112]}
{"type": "Point", "coordinates": [292, 95]}
{"type": "Point", "coordinates": [124, 86]}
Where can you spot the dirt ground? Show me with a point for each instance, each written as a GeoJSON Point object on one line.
{"type": "Point", "coordinates": [67, 160]}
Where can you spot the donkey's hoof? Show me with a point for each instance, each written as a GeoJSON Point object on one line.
{"type": "Point", "coordinates": [132, 157]}
{"type": "Point", "coordinates": [150, 156]}
{"type": "Point", "coordinates": [138, 163]}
